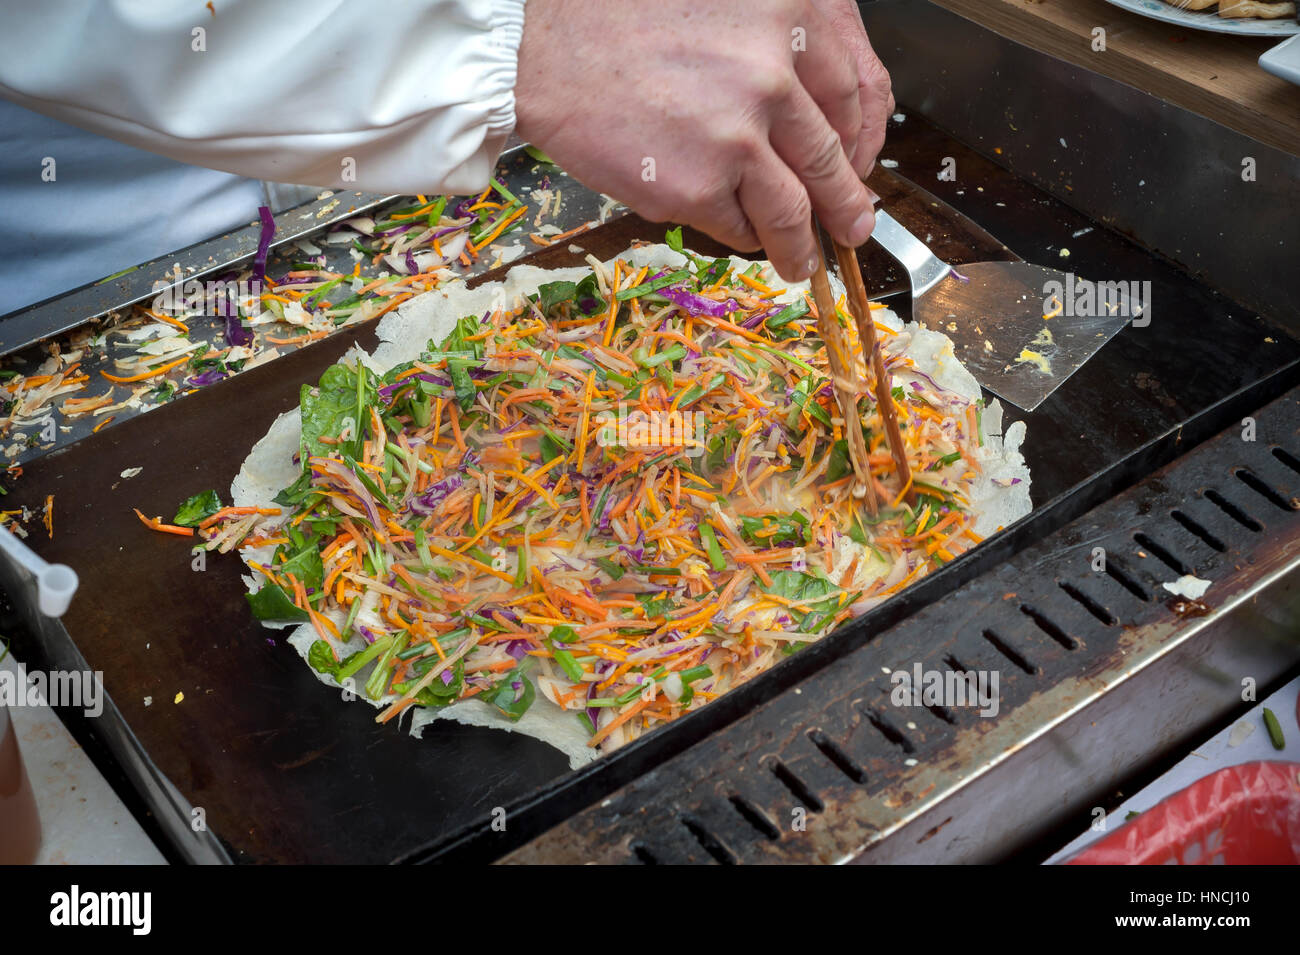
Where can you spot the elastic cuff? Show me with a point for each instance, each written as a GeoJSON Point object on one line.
{"type": "Point", "coordinates": [501, 51]}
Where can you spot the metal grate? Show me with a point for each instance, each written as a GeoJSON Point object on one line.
{"type": "Point", "coordinates": [1060, 629]}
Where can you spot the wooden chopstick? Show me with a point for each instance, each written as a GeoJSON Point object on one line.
{"type": "Point", "coordinates": [842, 374]}
{"type": "Point", "coordinates": [860, 309]}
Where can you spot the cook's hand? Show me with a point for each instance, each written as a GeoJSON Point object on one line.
{"type": "Point", "coordinates": [875, 95]}
{"type": "Point", "coordinates": [735, 118]}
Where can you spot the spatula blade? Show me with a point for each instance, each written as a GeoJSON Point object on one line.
{"type": "Point", "coordinates": [995, 320]}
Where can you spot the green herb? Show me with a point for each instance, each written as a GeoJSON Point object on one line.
{"type": "Point", "coordinates": [796, 309]}
{"type": "Point", "coordinates": [655, 606]}
{"type": "Point", "coordinates": [817, 593]}
{"type": "Point", "coordinates": [1274, 729]}
{"type": "Point", "coordinates": [691, 676]}
{"type": "Point", "coordinates": [789, 529]}
{"type": "Point", "coordinates": [339, 399]}
{"type": "Point", "coordinates": [510, 702]}
{"type": "Point", "coordinates": [675, 353]}
{"type": "Point", "coordinates": [272, 604]}
{"type": "Point", "coordinates": [653, 571]}
{"type": "Point", "coordinates": [194, 510]}
{"type": "Point", "coordinates": [710, 540]}
{"type": "Point", "coordinates": [305, 565]}
{"type": "Point", "coordinates": [537, 154]}
{"type": "Point", "coordinates": [712, 272]}
{"type": "Point", "coordinates": [697, 391]}
{"type": "Point", "coordinates": [609, 567]}
{"type": "Point", "coordinates": [463, 384]}
{"type": "Point", "coordinates": [570, 666]}
{"type": "Point", "coordinates": [653, 285]}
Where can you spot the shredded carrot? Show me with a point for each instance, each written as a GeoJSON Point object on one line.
{"type": "Point", "coordinates": [146, 375]}
{"type": "Point", "coordinates": [156, 524]}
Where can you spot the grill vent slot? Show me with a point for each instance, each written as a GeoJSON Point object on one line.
{"type": "Point", "coordinates": [710, 843]}
{"type": "Point", "coordinates": [755, 817]}
{"type": "Point", "coordinates": [889, 731]}
{"type": "Point", "coordinates": [1198, 531]}
{"type": "Point", "coordinates": [1049, 627]}
{"type": "Point", "coordinates": [955, 665]}
{"type": "Point", "coordinates": [837, 756]}
{"type": "Point", "coordinates": [942, 712]}
{"type": "Point", "coordinates": [1117, 572]}
{"type": "Point", "coordinates": [1088, 604]}
{"type": "Point", "coordinates": [1233, 511]}
{"type": "Point", "coordinates": [1288, 459]}
{"type": "Point", "coordinates": [798, 788]}
{"type": "Point", "coordinates": [1007, 651]}
{"type": "Point", "coordinates": [1165, 557]}
{"type": "Point", "coordinates": [644, 855]}
{"type": "Point", "coordinates": [1253, 481]}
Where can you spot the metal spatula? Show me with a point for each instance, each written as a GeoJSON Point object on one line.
{"type": "Point", "coordinates": [994, 314]}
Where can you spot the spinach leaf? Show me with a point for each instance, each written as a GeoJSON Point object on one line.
{"type": "Point", "coordinates": [555, 293]}
{"type": "Point", "coordinates": [465, 328]}
{"type": "Point", "coordinates": [437, 693]}
{"type": "Point", "coordinates": [462, 383]}
{"type": "Point", "coordinates": [655, 606]}
{"type": "Point", "coordinates": [273, 604]}
{"type": "Point", "coordinates": [790, 529]}
{"type": "Point", "coordinates": [588, 297]}
{"type": "Point", "coordinates": [295, 493]}
{"type": "Point", "coordinates": [342, 397]}
{"type": "Point", "coordinates": [194, 510]}
{"type": "Point", "coordinates": [512, 703]}
{"type": "Point", "coordinates": [819, 594]}
{"type": "Point", "coordinates": [305, 565]}
{"type": "Point", "coordinates": [609, 567]}
{"type": "Point", "coordinates": [840, 464]}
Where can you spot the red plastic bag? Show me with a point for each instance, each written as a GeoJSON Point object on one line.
{"type": "Point", "coordinates": [1242, 815]}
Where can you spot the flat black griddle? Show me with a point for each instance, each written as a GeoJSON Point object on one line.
{"type": "Point", "coordinates": [287, 772]}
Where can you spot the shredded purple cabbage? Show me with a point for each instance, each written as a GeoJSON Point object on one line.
{"type": "Point", "coordinates": [209, 377]}
{"type": "Point", "coordinates": [698, 304]}
{"type": "Point", "coordinates": [263, 242]}
{"type": "Point", "coordinates": [236, 332]}
{"type": "Point", "coordinates": [435, 494]}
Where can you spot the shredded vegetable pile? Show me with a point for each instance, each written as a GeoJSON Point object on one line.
{"type": "Point", "coordinates": [626, 494]}
{"type": "Point", "coordinates": [156, 351]}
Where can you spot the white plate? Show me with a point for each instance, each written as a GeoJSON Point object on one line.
{"type": "Point", "coordinates": [1208, 19]}
{"type": "Point", "coordinates": [1284, 60]}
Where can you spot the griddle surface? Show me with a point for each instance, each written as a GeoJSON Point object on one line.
{"type": "Point", "coordinates": [284, 769]}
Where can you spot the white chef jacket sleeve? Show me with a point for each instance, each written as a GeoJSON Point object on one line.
{"type": "Point", "coordinates": [397, 96]}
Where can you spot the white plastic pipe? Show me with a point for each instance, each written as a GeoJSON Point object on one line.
{"type": "Point", "coordinates": [55, 583]}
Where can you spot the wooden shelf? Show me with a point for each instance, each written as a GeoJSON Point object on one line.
{"type": "Point", "coordinates": [1215, 75]}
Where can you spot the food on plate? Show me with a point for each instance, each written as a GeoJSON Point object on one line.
{"type": "Point", "coordinates": [581, 503]}
{"type": "Point", "coordinates": [1239, 9]}
{"type": "Point", "coordinates": [1256, 9]}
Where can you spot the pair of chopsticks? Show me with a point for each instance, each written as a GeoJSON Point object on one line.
{"type": "Point", "coordinates": [847, 385]}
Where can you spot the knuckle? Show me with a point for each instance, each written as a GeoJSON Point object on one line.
{"type": "Point", "coordinates": [790, 210]}
{"type": "Point", "coordinates": [653, 208]}
{"type": "Point", "coordinates": [740, 145]}
{"type": "Point", "coordinates": [698, 194]}
{"type": "Point", "coordinates": [877, 79]}
{"type": "Point", "coordinates": [825, 158]}
{"type": "Point", "coordinates": [739, 233]}
{"type": "Point", "coordinates": [844, 82]}
{"type": "Point", "coordinates": [773, 86]}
